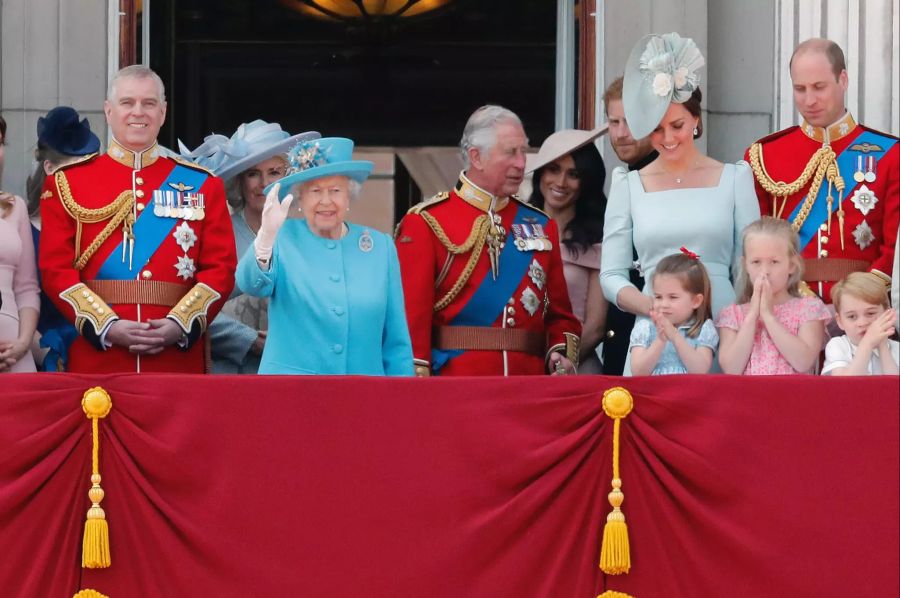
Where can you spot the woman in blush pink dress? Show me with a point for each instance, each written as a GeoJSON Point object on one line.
{"type": "Point", "coordinates": [568, 185]}
{"type": "Point", "coordinates": [19, 294]}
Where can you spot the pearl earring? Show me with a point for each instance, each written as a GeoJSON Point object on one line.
{"type": "Point", "coordinates": [696, 132]}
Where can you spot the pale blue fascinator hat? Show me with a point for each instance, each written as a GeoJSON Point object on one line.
{"type": "Point", "coordinates": [661, 69]}
{"type": "Point", "coordinates": [315, 159]}
{"type": "Point", "coordinates": [251, 144]}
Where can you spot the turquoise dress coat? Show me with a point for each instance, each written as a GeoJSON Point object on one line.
{"type": "Point", "coordinates": [706, 220]}
{"type": "Point", "coordinates": [335, 306]}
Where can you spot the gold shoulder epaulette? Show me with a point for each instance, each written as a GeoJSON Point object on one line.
{"type": "Point", "coordinates": [529, 205]}
{"type": "Point", "coordinates": [431, 201]}
{"type": "Point", "coordinates": [77, 161]}
{"type": "Point", "coordinates": [193, 165]}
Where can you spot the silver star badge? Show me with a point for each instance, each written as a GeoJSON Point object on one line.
{"type": "Point", "coordinates": [863, 235]}
{"type": "Point", "coordinates": [185, 236]}
{"type": "Point", "coordinates": [844, 128]}
{"type": "Point", "coordinates": [864, 199]}
{"type": "Point", "coordinates": [530, 301]}
{"type": "Point", "coordinates": [186, 267]}
{"type": "Point", "coordinates": [537, 274]}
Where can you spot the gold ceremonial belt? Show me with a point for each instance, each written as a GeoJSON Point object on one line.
{"type": "Point", "coordinates": [483, 338]}
{"type": "Point", "coordinates": [831, 268]}
{"type": "Point", "coordinates": [149, 292]}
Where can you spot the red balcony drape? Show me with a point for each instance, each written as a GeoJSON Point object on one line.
{"type": "Point", "coordinates": [344, 487]}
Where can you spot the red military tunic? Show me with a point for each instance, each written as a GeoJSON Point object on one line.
{"type": "Point", "coordinates": [452, 301]}
{"type": "Point", "coordinates": [869, 229]}
{"type": "Point", "coordinates": [181, 265]}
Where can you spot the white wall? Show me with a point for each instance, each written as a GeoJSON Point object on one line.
{"type": "Point", "coordinates": [868, 32]}
{"type": "Point", "coordinates": [52, 52]}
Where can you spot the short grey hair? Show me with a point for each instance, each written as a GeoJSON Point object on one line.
{"type": "Point", "coordinates": [135, 71]}
{"type": "Point", "coordinates": [481, 129]}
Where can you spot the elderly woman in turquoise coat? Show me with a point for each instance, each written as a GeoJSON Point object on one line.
{"type": "Point", "coordinates": [335, 297]}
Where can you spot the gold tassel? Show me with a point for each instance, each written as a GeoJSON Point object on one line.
{"type": "Point", "coordinates": [95, 546]}
{"type": "Point", "coordinates": [612, 594]}
{"type": "Point", "coordinates": [839, 185]}
{"type": "Point", "coordinates": [92, 594]}
{"type": "Point", "coordinates": [615, 554]}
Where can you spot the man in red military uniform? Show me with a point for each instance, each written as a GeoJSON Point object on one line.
{"type": "Point", "coordinates": [835, 180]}
{"type": "Point", "coordinates": [137, 248]}
{"type": "Point", "coordinates": [482, 274]}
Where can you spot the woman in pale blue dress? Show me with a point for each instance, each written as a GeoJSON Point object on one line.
{"type": "Point", "coordinates": [683, 198]}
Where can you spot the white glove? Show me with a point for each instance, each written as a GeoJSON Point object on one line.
{"type": "Point", "coordinates": [274, 214]}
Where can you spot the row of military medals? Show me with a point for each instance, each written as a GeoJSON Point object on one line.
{"type": "Point", "coordinates": [177, 204]}
{"type": "Point", "coordinates": [531, 237]}
{"type": "Point", "coordinates": [864, 199]}
{"type": "Point", "coordinates": [527, 237]}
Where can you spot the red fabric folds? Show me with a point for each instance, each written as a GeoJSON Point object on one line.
{"type": "Point", "coordinates": [338, 487]}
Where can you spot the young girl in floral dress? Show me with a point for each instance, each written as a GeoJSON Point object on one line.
{"type": "Point", "coordinates": [772, 329]}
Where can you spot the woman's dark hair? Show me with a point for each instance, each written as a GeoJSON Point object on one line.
{"type": "Point", "coordinates": [586, 227]}
{"type": "Point", "coordinates": [692, 105]}
{"type": "Point", "coordinates": [2, 128]}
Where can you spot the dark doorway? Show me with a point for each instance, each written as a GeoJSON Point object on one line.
{"type": "Point", "coordinates": [406, 82]}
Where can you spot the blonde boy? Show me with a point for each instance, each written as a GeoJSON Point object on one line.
{"type": "Point", "coordinates": [863, 313]}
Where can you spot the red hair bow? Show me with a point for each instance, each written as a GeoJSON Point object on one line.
{"type": "Point", "coordinates": [689, 253]}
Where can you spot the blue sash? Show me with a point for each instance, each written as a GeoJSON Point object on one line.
{"type": "Point", "coordinates": [489, 299]}
{"type": "Point", "coordinates": [846, 162]}
{"type": "Point", "coordinates": [150, 231]}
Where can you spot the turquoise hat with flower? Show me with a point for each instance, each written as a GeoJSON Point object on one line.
{"type": "Point", "coordinates": [251, 144]}
{"type": "Point", "coordinates": [661, 69]}
{"type": "Point", "coordinates": [314, 159]}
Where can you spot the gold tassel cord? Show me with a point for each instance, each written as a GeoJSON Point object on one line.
{"type": "Point", "coordinates": [821, 167]}
{"type": "Point", "coordinates": [96, 404]}
{"type": "Point", "coordinates": [615, 552]}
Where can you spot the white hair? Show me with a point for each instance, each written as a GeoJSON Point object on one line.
{"type": "Point", "coordinates": [481, 129]}
{"type": "Point", "coordinates": [135, 71]}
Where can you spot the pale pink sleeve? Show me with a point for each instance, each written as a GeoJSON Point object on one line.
{"type": "Point", "coordinates": [813, 309]}
{"type": "Point", "coordinates": [589, 259]}
{"type": "Point", "coordinates": [729, 317]}
{"type": "Point", "coordinates": [25, 282]}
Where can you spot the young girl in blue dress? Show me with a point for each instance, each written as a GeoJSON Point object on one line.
{"type": "Point", "coordinates": [679, 337]}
